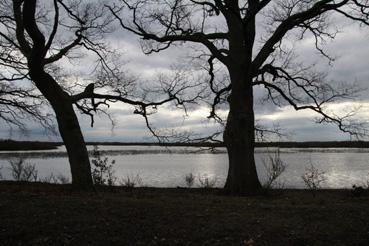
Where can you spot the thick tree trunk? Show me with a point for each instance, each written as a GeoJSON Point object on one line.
{"type": "Point", "coordinates": [71, 133]}
{"type": "Point", "coordinates": [239, 137]}
{"type": "Point", "coordinates": [60, 101]}
{"type": "Point", "coordinates": [69, 130]}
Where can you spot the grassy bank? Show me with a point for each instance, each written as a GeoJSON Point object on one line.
{"type": "Point", "coordinates": [40, 214]}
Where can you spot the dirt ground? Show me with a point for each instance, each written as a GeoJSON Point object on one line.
{"type": "Point", "coordinates": [41, 214]}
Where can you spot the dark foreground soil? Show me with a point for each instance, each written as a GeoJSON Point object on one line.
{"type": "Point", "coordinates": [39, 214]}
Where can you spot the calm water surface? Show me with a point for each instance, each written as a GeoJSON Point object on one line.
{"type": "Point", "coordinates": [167, 167]}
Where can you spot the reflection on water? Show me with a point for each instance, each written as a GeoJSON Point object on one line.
{"type": "Point", "coordinates": [167, 167]}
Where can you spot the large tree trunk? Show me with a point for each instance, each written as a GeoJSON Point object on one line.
{"type": "Point", "coordinates": [239, 134]}
{"type": "Point", "coordinates": [60, 101]}
{"type": "Point", "coordinates": [239, 137]}
{"type": "Point", "coordinates": [71, 133]}
{"type": "Point", "coordinates": [69, 130]}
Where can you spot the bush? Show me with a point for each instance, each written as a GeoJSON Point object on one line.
{"type": "Point", "coordinates": [22, 171]}
{"type": "Point", "coordinates": [313, 178]}
{"type": "Point", "coordinates": [52, 179]}
{"type": "Point", "coordinates": [207, 182]}
{"type": "Point", "coordinates": [357, 190]}
{"type": "Point", "coordinates": [102, 169]}
{"type": "Point", "coordinates": [1, 175]}
{"type": "Point", "coordinates": [63, 179]}
{"type": "Point", "coordinates": [274, 167]}
{"type": "Point", "coordinates": [366, 185]}
{"type": "Point", "coordinates": [190, 180]}
{"type": "Point", "coordinates": [131, 181]}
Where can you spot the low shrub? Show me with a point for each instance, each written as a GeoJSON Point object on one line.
{"type": "Point", "coordinates": [189, 179]}
{"type": "Point", "coordinates": [131, 181]}
{"type": "Point", "coordinates": [23, 171]}
{"type": "Point", "coordinates": [52, 179]}
{"type": "Point", "coordinates": [313, 178]}
{"type": "Point", "coordinates": [102, 169]}
{"type": "Point", "coordinates": [207, 182]}
{"type": "Point", "coordinates": [274, 167]}
{"type": "Point", "coordinates": [63, 179]}
{"type": "Point", "coordinates": [1, 175]}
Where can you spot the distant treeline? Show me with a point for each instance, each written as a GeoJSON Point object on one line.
{"type": "Point", "coordinates": [331, 144]}
{"type": "Point", "coordinates": [35, 145]}
{"type": "Point", "coordinates": [202, 144]}
{"type": "Point", "coordinates": [27, 145]}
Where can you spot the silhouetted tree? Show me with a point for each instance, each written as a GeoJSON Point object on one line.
{"type": "Point", "coordinates": [37, 38]}
{"type": "Point", "coordinates": [246, 38]}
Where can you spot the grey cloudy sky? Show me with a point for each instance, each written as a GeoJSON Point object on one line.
{"type": "Point", "coordinates": [350, 47]}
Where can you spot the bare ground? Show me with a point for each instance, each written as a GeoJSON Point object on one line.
{"type": "Point", "coordinates": [41, 214]}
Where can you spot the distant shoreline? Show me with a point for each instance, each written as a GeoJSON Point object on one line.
{"type": "Point", "coordinates": [11, 145]}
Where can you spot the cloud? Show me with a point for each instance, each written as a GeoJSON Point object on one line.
{"type": "Point", "coordinates": [350, 47]}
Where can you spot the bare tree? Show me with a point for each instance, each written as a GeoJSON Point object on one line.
{"type": "Point", "coordinates": [37, 38]}
{"type": "Point", "coordinates": [19, 102]}
{"type": "Point", "coordinates": [246, 38]}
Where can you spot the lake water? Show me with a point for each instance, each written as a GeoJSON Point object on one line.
{"type": "Point", "coordinates": [167, 167]}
